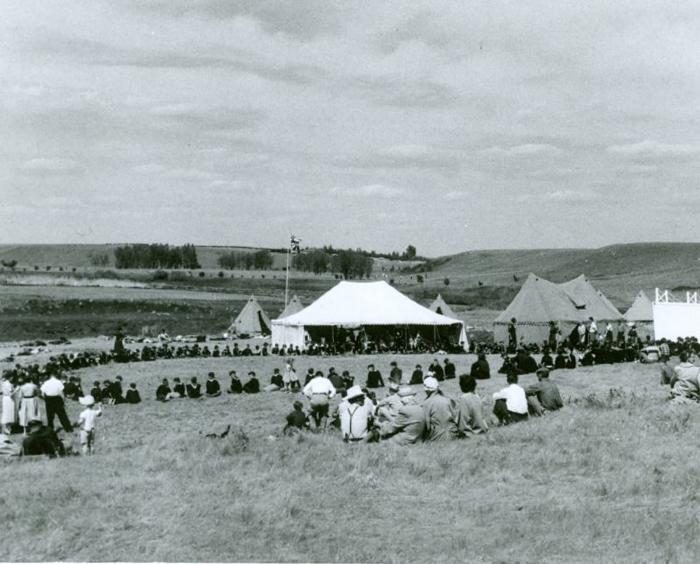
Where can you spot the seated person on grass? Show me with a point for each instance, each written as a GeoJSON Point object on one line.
{"type": "Point", "coordinates": [408, 425]}
{"type": "Point", "coordinates": [194, 389]}
{"type": "Point", "coordinates": [42, 440]}
{"type": "Point", "coordinates": [543, 396]}
{"type": "Point", "coordinates": [297, 420]}
{"type": "Point", "coordinates": [252, 386]}
{"type": "Point", "coordinates": [132, 394]}
{"type": "Point", "coordinates": [212, 387]}
{"type": "Point", "coordinates": [235, 387]}
{"type": "Point", "coordinates": [179, 390]}
{"type": "Point", "coordinates": [511, 402]}
{"type": "Point", "coordinates": [471, 408]}
{"type": "Point", "coordinates": [163, 391]}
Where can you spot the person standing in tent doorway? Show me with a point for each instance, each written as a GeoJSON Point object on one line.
{"type": "Point", "coordinates": [512, 335]}
{"type": "Point", "coordinates": [592, 332]}
{"type": "Point", "coordinates": [609, 334]}
{"type": "Point", "coordinates": [554, 334]}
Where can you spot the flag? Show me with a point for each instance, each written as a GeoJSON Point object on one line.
{"type": "Point", "coordinates": [295, 244]}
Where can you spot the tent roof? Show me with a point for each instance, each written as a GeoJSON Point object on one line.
{"type": "Point", "coordinates": [293, 307]}
{"type": "Point", "coordinates": [365, 303]}
{"type": "Point", "coordinates": [251, 319]}
{"type": "Point", "coordinates": [541, 301]}
{"type": "Point", "coordinates": [641, 309]}
{"type": "Point", "coordinates": [441, 305]}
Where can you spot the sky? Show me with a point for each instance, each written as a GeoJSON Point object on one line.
{"type": "Point", "coordinates": [450, 126]}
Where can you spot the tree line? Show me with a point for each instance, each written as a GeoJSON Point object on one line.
{"type": "Point", "coordinates": [348, 263]}
{"type": "Point", "coordinates": [156, 256]}
{"type": "Point", "coordinates": [259, 260]}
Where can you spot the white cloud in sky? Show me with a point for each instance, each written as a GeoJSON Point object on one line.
{"type": "Point", "coordinates": [51, 166]}
{"type": "Point", "coordinates": [654, 149]}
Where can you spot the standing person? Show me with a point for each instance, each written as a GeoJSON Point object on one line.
{"type": "Point", "coordinates": [118, 348]}
{"type": "Point", "coordinates": [609, 334]}
{"type": "Point", "coordinates": [9, 417]}
{"type": "Point", "coordinates": [441, 413]}
{"type": "Point", "coordinates": [355, 413]}
{"type": "Point", "coordinates": [319, 391]}
{"type": "Point", "coordinates": [553, 338]}
{"type": "Point", "coordinates": [592, 332]}
{"type": "Point", "coordinates": [86, 420]}
{"type": "Point", "coordinates": [471, 408]}
{"type": "Point", "coordinates": [28, 404]}
{"type": "Point", "coordinates": [374, 378]}
{"type": "Point", "coordinates": [621, 339]}
{"type": "Point", "coordinates": [511, 402]}
{"type": "Point", "coordinates": [52, 390]}
{"type": "Point", "coordinates": [582, 333]}
{"type": "Point", "coordinates": [290, 378]}
{"type": "Point", "coordinates": [512, 335]}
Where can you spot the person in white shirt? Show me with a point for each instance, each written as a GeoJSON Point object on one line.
{"type": "Point", "coordinates": [319, 391]}
{"type": "Point", "coordinates": [9, 417]}
{"type": "Point", "coordinates": [86, 420]}
{"type": "Point", "coordinates": [511, 402]}
{"type": "Point", "coordinates": [28, 403]}
{"type": "Point", "coordinates": [355, 413]}
{"type": "Point", "coordinates": [52, 390]}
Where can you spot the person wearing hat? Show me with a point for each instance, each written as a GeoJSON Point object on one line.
{"type": "Point", "coordinates": [440, 413]}
{"type": "Point", "coordinates": [388, 407]}
{"type": "Point", "coordinates": [355, 413]}
{"type": "Point", "coordinates": [319, 391]}
{"type": "Point", "coordinates": [544, 395]}
{"type": "Point", "coordinates": [471, 408]}
{"type": "Point", "coordinates": [408, 425]}
{"type": "Point", "coordinates": [86, 420]}
{"type": "Point", "coordinates": [510, 404]}
{"type": "Point", "coordinates": [41, 440]}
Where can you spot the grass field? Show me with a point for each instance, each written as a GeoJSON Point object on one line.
{"type": "Point", "coordinates": [611, 477]}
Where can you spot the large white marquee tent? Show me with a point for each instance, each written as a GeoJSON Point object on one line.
{"type": "Point", "coordinates": [356, 305]}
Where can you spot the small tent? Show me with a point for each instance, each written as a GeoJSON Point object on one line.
{"type": "Point", "coordinates": [441, 307]}
{"type": "Point", "coordinates": [294, 306]}
{"type": "Point", "coordinates": [641, 313]}
{"type": "Point", "coordinates": [374, 307]}
{"type": "Point", "coordinates": [252, 320]}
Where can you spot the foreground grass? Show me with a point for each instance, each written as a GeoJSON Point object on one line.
{"type": "Point", "coordinates": [613, 476]}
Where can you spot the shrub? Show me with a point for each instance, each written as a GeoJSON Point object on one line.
{"type": "Point", "coordinates": [446, 281]}
{"type": "Point", "coordinates": [202, 274]}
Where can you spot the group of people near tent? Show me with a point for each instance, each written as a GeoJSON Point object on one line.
{"type": "Point", "coordinates": [408, 414]}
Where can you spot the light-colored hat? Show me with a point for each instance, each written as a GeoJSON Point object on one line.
{"type": "Point", "coordinates": [354, 392]}
{"type": "Point", "coordinates": [87, 401]}
{"type": "Point", "coordinates": [431, 384]}
{"type": "Point", "coordinates": [405, 391]}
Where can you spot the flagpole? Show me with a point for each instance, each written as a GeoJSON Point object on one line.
{"type": "Point", "coordinates": [286, 282]}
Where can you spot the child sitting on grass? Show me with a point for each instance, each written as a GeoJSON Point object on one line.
{"type": "Point", "coordinates": [86, 420]}
{"type": "Point", "coordinates": [297, 420]}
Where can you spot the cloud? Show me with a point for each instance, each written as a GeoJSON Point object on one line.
{"type": "Point", "coordinates": [176, 173]}
{"type": "Point", "coordinates": [51, 167]}
{"type": "Point", "coordinates": [394, 91]}
{"type": "Point", "coordinates": [654, 149]}
{"type": "Point", "coordinates": [528, 149]}
{"type": "Point", "coordinates": [456, 196]}
{"type": "Point", "coordinates": [404, 156]}
{"type": "Point", "coordinates": [371, 191]}
{"type": "Point", "coordinates": [572, 196]}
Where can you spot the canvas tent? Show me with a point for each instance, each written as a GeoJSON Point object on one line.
{"type": "Point", "coordinates": [540, 301]}
{"type": "Point", "coordinates": [252, 320]}
{"type": "Point", "coordinates": [371, 306]}
{"type": "Point", "coordinates": [439, 306]}
{"type": "Point", "coordinates": [293, 307]}
{"type": "Point", "coordinates": [641, 313]}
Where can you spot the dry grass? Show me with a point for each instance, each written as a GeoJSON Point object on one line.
{"type": "Point", "coordinates": [612, 477]}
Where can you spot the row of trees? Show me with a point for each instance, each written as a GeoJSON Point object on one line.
{"type": "Point", "coordinates": [156, 256]}
{"type": "Point", "coordinates": [349, 264]}
{"type": "Point", "coordinates": [259, 260]}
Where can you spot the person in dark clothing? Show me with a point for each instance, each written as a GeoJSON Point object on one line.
{"type": "Point", "coordinates": [374, 378]}
{"type": "Point", "coordinates": [212, 387]}
{"type": "Point", "coordinates": [512, 335]}
{"type": "Point", "coordinates": [194, 389]}
{"type": "Point", "coordinates": [277, 379]}
{"type": "Point", "coordinates": [118, 348]}
{"type": "Point", "coordinates": [348, 381]}
{"type": "Point", "coordinates": [416, 376]}
{"type": "Point", "coordinates": [335, 379]}
{"type": "Point", "coordinates": [547, 360]}
{"type": "Point", "coordinates": [96, 392]}
{"type": "Point", "coordinates": [571, 360]}
{"type": "Point", "coordinates": [297, 420]}
{"type": "Point", "coordinates": [309, 376]}
{"type": "Point", "coordinates": [163, 390]}
{"type": "Point", "coordinates": [553, 335]}
{"type": "Point", "coordinates": [395, 374]}
{"type": "Point", "coordinates": [525, 363]}
{"type": "Point", "coordinates": [235, 387]}
{"type": "Point", "coordinates": [252, 386]}
{"type": "Point", "coordinates": [115, 391]}
{"type": "Point", "coordinates": [450, 370]}
{"type": "Point", "coordinates": [42, 440]}
{"type": "Point", "coordinates": [436, 368]}
{"type": "Point", "coordinates": [480, 370]}
{"type": "Point", "coordinates": [560, 360]}
{"type": "Point", "coordinates": [179, 387]}
{"type": "Point", "coordinates": [132, 394]}
{"type": "Point", "coordinates": [543, 396]}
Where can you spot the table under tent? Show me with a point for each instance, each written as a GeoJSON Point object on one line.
{"type": "Point", "coordinates": [374, 311]}
{"type": "Point", "coordinates": [540, 302]}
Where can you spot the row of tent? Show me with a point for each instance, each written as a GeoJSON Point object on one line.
{"type": "Point", "coordinates": [540, 302]}
{"type": "Point", "coordinates": [362, 304]}
{"type": "Point", "coordinates": [351, 306]}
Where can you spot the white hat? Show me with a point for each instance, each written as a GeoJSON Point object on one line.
{"type": "Point", "coordinates": [354, 392]}
{"type": "Point", "coordinates": [405, 391]}
{"type": "Point", "coordinates": [87, 401]}
{"type": "Point", "coordinates": [431, 384]}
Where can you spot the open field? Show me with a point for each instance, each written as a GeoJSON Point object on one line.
{"type": "Point", "coordinates": [611, 477]}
